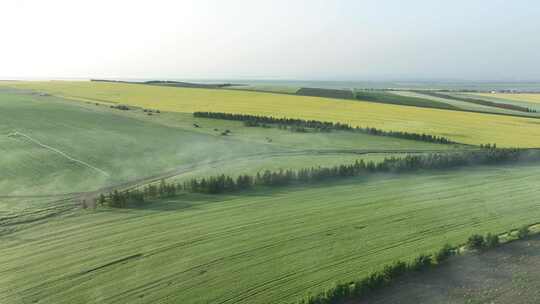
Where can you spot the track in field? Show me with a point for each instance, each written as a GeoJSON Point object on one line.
{"type": "Point", "coordinates": [63, 154]}
{"type": "Point", "coordinates": [190, 168]}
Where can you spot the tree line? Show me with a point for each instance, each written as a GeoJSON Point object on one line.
{"type": "Point", "coordinates": [479, 101]}
{"type": "Point", "coordinates": [227, 184]}
{"type": "Point", "coordinates": [322, 126]}
{"type": "Point", "coordinates": [379, 279]}
{"type": "Point", "coordinates": [123, 199]}
{"type": "Point", "coordinates": [408, 163]}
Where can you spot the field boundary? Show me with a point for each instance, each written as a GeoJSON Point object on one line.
{"type": "Point", "coordinates": [389, 273]}
{"type": "Point", "coordinates": [141, 181]}
{"type": "Point", "coordinates": [456, 109]}
{"type": "Point", "coordinates": [287, 177]}
{"type": "Point", "coordinates": [301, 125]}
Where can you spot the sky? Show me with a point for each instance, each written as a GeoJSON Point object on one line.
{"type": "Point", "coordinates": [271, 39]}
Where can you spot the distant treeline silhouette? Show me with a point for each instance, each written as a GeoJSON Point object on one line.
{"type": "Point", "coordinates": [227, 184]}
{"type": "Point", "coordinates": [321, 126]}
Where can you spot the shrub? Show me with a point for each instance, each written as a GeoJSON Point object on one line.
{"type": "Point", "coordinates": [492, 240]}
{"type": "Point", "coordinates": [476, 241]}
{"type": "Point", "coordinates": [523, 232]}
{"type": "Point", "coordinates": [444, 253]}
{"type": "Point", "coordinates": [421, 262]}
{"type": "Point", "coordinates": [101, 199]}
{"type": "Point", "coordinates": [375, 281]}
{"type": "Point", "coordinates": [391, 272]}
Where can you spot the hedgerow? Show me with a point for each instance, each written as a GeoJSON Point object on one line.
{"type": "Point", "coordinates": [300, 125]}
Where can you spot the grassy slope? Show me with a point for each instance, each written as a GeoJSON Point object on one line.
{"type": "Point", "coordinates": [335, 140]}
{"type": "Point", "coordinates": [123, 147]}
{"type": "Point", "coordinates": [130, 145]}
{"type": "Point", "coordinates": [467, 106]}
{"type": "Point", "coordinates": [258, 247]}
{"type": "Point", "coordinates": [401, 99]}
{"type": "Point", "coordinates": [532, 98]}
{"type": "Point", "coordinates": [453, 99]}
{"type": "Point", "coordinates": [472, 128]}
{"type": "Point", "coordinates": [525, 100]}
{"type": "Point", "coordinates": [267, 88]}
{"type": "Point", "coordinates": [252, 165]}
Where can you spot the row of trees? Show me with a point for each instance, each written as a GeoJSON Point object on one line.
{"type": "Point", "coordinates": [122, 199]}
{"type": "Point", "coordinates": [300, 125]}
{"type": "Point", "coordinates": [480, 101]}
{"type": "Point", "coordinates": [377, 280]}
{"type": "Point", "coordinates": [219, 184]}
{"type": "Point", "coordinates": [224, 183]}
{"type": "Point", "coordinates": [479, 242]}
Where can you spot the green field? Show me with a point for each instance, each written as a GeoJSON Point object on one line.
{"type": "Point", "coordinates": [525, 100]}
{"type": "Point", "coordinates": [403, 99]}
{"type": "Point", "coordinates": [266, 152]}
{"type": "Point", "coordinates": [502, 275]}
{"type": "Point", "coordinates": [129, 145]}
{"type": "Point", "coordinates": [464, 127]}
{"type": "Point", "coordinates": [125, 148]}
{"type": "Point", "coordinates": [268, 88]}
{"type": "Point", "coordinates": [265, 246]}
{"type": "Point", "coordinates": [523, 97]}
{"type": "Point", "coordinates": [468, 106]}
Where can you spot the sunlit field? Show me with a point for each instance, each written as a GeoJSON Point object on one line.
{"type": "Point", "coordinates": [269, 152]}
{"type": "Point", "coordinates": [469, 128]}
{"type": "Point", "coordinates": [51, 145]}
{"type": "Point", "coordinates": [525, 97]}
{"type": "Point", "coordinates": [265, 246]}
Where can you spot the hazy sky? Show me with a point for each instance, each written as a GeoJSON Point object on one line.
{"type": "Point", "coordinates": [284, 39]}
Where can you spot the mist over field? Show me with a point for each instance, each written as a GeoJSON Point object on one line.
{"type": "Point", "coordinates": [269, 151]}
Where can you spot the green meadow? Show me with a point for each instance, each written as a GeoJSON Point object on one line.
{"type": "Point", "coordinates": [460, 126]}
{"type": "Point", "coordinates": [115, 146]}
{"type": "Point", "coordinates": [263, 245]}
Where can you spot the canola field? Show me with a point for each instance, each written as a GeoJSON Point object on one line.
{"type": "Point", "coordinates": [463, 127]}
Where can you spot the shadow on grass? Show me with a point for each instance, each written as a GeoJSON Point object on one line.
{"type": "Point", "coordinates": [188, 201]}
{"type": "Point", "coordinates": [182, 201]}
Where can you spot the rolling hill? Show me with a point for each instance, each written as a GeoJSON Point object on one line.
{"type": "Point", "coordinates": [464, 127]}
{"type": "Point", "coordinates": [260, 246]}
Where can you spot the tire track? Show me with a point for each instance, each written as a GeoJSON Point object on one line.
{"type": "Point", "coordinates": [63, 154]}
{"type": "Point", "coordinates": [190, 168]}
